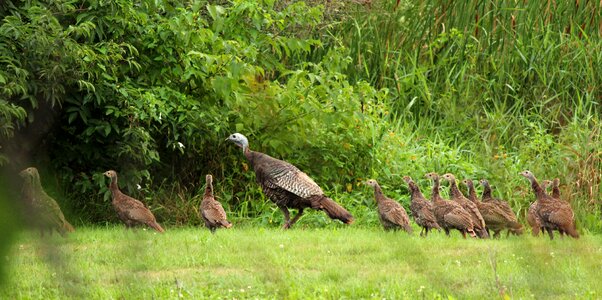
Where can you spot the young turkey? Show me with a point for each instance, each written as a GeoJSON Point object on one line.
{"type": "Point", "coordinates": [532, 216]}
{"type": "Point", "coordinates": [554, 213]}
{"type": "Point", "coordinates": [287, 186]}
{"type": "Point", "coordinates": [212, 211]}
{"type": "Point", "coordinates": [449, 214]}
{"type": "Point", "coordinates": [422, 209]}
{"type": "Point", "coordinates": [129, 210]}
{"type": "Point", "coordinates": [391, 214]}
{"type": "Point", "coordinates": [471, 208]}
{"type": "Point", "coordinates": [496, 218]}
{"type": "Point", "coordinates": [47, 213]}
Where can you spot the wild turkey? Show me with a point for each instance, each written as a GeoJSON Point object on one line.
{"type": "Point", "coordinates": [422, 209]}
{"type": "Point", "coordinates": [496, 218]}
{"type": "Point", "coordinates": [287, 186]}
{"type": "Point", "coordinates": [212, 211]}
{"type": "Point", "coordinates": [554, 213]}
{"type": "Point", "coordinates": [47, 213]}
{"type": "Point", "coordinates": [532, 216]}
{"type": "Point", "coordinates": [391, 214]}
{"type": "Point", "coordinates": [449, 214]}
{"type": "Point", "coordinates": [471, 208]}
{"type": "Point", "coordinates": [129, 210]}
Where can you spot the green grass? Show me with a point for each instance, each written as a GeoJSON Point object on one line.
{"type": "Point", "coordinates": [332, 263]}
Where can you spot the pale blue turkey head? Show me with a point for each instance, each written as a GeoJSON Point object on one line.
{"type": "Point", "coordinates": [240, 140]}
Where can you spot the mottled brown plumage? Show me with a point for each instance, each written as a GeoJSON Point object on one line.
{"type": "Point", "coordinates": [129, 210]}
{"type": "Point", "coordinates": [422, 209]}
{"type": "Point", "coordinates": [532, 216]}
{"type": "Point", "coordinates": [212, 211]}
{"type": "Point", "coordinates": [469, 206]}
{"type": "Point", "coordinates": [47, 214]}
{"type": "Point", "coordinates": [287, 186]}
{"type": "Point", "coordinates": [391, 214]}
{"type": "Point", "coordinates": [496, 218]}
{"type": "Point", "coordinates": [554, 213]}
{"type": "Point", "coordinates": [449, 214]}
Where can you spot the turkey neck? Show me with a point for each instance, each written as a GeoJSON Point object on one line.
{"type": "Point", "coordinates": [435, 193]}
{"type": "Point", "coordinates": [539, 193]}
{"type": "Point", "coordinates": [249, 155]}
{"type": "Point", "coordinates": [114, 188]}
{"type": "Point", "coordinates": [378, 194]}
{"type": "Point", "coordinates": [208, 190]}
{"type": "Point", "coordinates": [453, 189]}
{"type": "Point", "coordinates": [486, 192]}
{"type": "Point", "coordinates": [472, 195]}
{"type": "Point", "coordinates": [415, 191]}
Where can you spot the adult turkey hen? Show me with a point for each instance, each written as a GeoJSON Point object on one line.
{"type": "Point", "coordinates": [496, 218]}
{"type": "Point", "coordinates": [391, 214]}
{"type": "Point", "coordinates": [471, 208]}
{"type": "Point", "coordinates": [422, 209]}
{"type": "Point", "coordinates": [212, 211]}
{"type": "Point", "coordinates": [287, 186]}
{"type": "Point", "coordinates": [47, 214]}
{"type": "Point", "coordinates": [554, 213]}
{"type": "Point", "coordinates": [129, 210]}
{"type": "Point", "coordinates": [449, 214]}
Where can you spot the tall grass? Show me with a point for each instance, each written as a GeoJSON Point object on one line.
{"type": "Point", "coordinates": [485, 89]}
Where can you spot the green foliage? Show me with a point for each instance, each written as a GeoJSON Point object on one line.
{"type": "Point", "coordinates": [343, 91]}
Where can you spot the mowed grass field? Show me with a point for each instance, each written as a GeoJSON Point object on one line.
{"type": "Point", "coordinates": [302, 263]}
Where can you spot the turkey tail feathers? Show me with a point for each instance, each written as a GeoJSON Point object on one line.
{"type": "Point", "coordinates": [226, 224]}
{"type": "Point", "coordinates": [155, 226]}
{"type": "Point", "coordinates": [334, 210]}
{"type": "Point", "coordinates": [68, 227]}
{"type": "Point", "coordinates": [483, 233]}
{"type": "Point", "coordinates": [572, 232]}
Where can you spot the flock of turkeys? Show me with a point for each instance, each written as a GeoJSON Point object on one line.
{"type": "Point", "coordinates": [288, 187]}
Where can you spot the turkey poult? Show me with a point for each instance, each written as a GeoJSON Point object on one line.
{"type": "Point", "coordinates": [471, 208]}
{"type": "Point", "coordinates": [449, 214]}
{"type": "Point", "coordinates": [47, 213]}
{"type": "Point", "coordinates": [496, 218]}
{"type": "Point", "coordinates": [212, 211]}
{"type": "Point", "coordinates": [391, 214]}
{"type": "Point", "coordinates": [422, 209]}
{"type": "Point", "coordinates": [532, 216]}
{"type": "Point", "coordinates": [553, 213]}
{"type": "Point", "coordinates": [287, 186]}
{"type": "Point", "coordinates": [129, 210]}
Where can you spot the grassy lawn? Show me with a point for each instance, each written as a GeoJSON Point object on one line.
{"type": "Point", "coordinates": [300, 263]}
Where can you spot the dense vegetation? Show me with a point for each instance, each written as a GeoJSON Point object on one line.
{"type": "Point", "coordinates": [342, 90]}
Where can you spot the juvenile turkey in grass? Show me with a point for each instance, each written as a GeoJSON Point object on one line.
{"type": "Point", "coordinates": [212, 211]}
{"type": "Point", "coordinates": [129, 210]}
{"type": "Point", "coordinates": [47, 213]}
{"type": "Point", "coordinates": [449, 214]}
{"type": "Point", "coordinates": [422, 209]}
{"type": "Point", "coordinates": [391, 214]}
{"type": "Point", "coordinates": [471, 208]}
{"type": "Point", "coordinates": [287, 186]}
{"type": "Point", "coordinates": [496, 218]}
{"type": "Point", "coordinates": [555, 214]}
